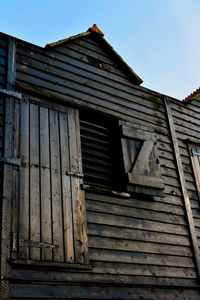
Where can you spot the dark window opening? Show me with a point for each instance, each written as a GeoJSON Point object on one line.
{"type": "Point", "coordinates": [101, 151]}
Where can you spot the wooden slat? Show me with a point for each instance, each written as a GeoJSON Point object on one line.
{"type": "Point", "coordinates": [16, 175]}
{"type": "Point", "coordinates": [138, 134]}
{"type": "Point", "coordinates": [118, 256]}
{"type": "Point", "coordinates": [45, 184]}
{"type": "Point", "coordinates": [58, 291]}
{"type": "Point", "coordinates": [143, 270]}
{"type": "Point", "coordinates": [138, 213]}
{"type": "Point", "coordinates": [24, 213]}
{"type": "Point", "coordinates": [66, 189]}
{"type": "Point", "coordinates": [134, 234]}
{"type": "Point", "coordinates": [135, 223]}
{"type": "Point", "coordinates": [57, 213]}
{"type": "Point", "coordinates": [35, 233]}
{"type": "Point", "coordinates": [138, 246]}
{"type": "Point", "coordinates": [80, 235]}
{"type": "Point", "coordinates": [148, 181]}
{"type": "Point", "coordinates": [105, 279]}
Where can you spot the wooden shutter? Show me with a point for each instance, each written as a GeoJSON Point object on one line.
{"type": "Point", "coordinates": [51, 215]}
{"type": "Point", "coordinates": [141, 162]}
{"type": "Point", "coordinates": [195, 159]}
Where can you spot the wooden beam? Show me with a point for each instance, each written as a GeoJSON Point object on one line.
{"type": "Point", "coordinates": [183, 183]}
{"type": "Point", "coordinates": [138, 134]}
{"type": "Point", "coordinates": [147, 181]}
{"type": "Point", "coordinates": [8, 187]}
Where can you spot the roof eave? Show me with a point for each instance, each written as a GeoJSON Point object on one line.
{"type": "Point", "coordinates": [71, 38]}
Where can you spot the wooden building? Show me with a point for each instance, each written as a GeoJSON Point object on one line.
{"type": "Point", "coordinates": [100, 177]}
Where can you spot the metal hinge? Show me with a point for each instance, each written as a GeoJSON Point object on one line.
{"type": "Point", "coordinates": [18, 242]}
{"type": "Point", "coordinates": [11, 93]}
{"type": "Point", "coordinates": [75, 174]}
{"type": "Point", "coordinates": [10, 161]}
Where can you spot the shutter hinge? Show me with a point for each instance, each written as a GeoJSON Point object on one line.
{"type": "Point", "coordinates": [18, 242]}
{"type": "Point", "coordinates": [10, 161]}
{"type": "Point", "coordinates": [11, 93]}
{"type": "Point", "coordinates": [75, 174]}
{"type": "Point", "coordinates": [35, 244]}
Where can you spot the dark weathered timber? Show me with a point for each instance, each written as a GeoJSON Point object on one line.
{"type": "Point", "coordinates": [183, 184]}
{"type": "Point", "coordinates": [8, 170]}
{"type": "Point", "coordinates": [76, 292]}
{"type": "Point", "coordinates": [138, 247]}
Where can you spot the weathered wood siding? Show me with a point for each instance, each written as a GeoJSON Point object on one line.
{"type": "Point", "coordinates": [187, 125]}
{"type": "Point", "coordinates": [3, 75]}
{"type": "Point", "coordinates": [132, 242]}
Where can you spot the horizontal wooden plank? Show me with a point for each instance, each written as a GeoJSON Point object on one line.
{"type": "Point", "coordinates": [54, 65]}
{"type": "Point", "coordinates": [3, 61]}
{"type": "Point", "coordinates": [88, 55]}
{"type": "Point", "coordinates": [143, 270]}
{"type": "Point", "coordinates": [57, 291]}
{"type": "Point", "coordinates": [155, 205]}
{"type": "Point", "coordinates": [3, 42]}
{"type": "Point", "coordinates": [90, 89]}
{"type": "Point", "coordinates": [131, 257]}
{"type": "Point", "coordinates": [148, 181]}
{"type": "Point", "coordinates": [3, 52]}
{"type": "Point", "coordinates": [135, 223]}
{"type": "Point", "coordinates": [80, 94]}
{"type": "Point", "coordinates": [101, 279]}
{"type": "Point", "coordinates": [138, 246]}
{"type": "Point", "coordinates": [143, 214]}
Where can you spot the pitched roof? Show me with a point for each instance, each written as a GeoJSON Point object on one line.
{"type": "Point", "coordinates": [192, 96]}
{"type": "Point", "coordinates": [96, 33]}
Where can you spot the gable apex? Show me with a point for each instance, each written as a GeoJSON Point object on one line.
{"type": "Point", "coordinates": [95, 29]}
{"type": "Point", "coordinates": [96, 34]}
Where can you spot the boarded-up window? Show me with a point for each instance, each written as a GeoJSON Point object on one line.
{"type": "Point", "coordinates": [50, 211]}
{"type": "Point", "coordinates": [141, 162]}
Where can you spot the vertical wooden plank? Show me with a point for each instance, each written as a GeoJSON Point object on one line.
{"type": "Point", "coordinates": [195, 165]}
{"type": "Point", "coordinates": [15, 201]}
{"type": "Point", "coordinates": [57, 213]}
{"type": "Point", "coordinates": [79, 214]}
{"type": "Point", "coordinates": [183, 184]}
{"type": "Point", "coordinates": [8, 173]}
{"type": "Point", "coordinates": [66, 188]}
{"type": "Point", "coordinates": [34, 181]}
{"type": "Point", "coordinates": [24, 177]}
{"type": "Point", "coordinates": [46, 230]}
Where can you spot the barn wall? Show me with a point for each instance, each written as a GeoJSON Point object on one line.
{"type": "Point", "coordinates": [132, 242]}
{"type": "Point", "coordinates": [187, 125]}
{"type": "Point", "coordinates": [3, 64]}
{"type": "Point", "coordinates": [3, 77]}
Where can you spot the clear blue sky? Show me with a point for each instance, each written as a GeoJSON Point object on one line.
{"type": "Point", "coordinates": [159, 39]}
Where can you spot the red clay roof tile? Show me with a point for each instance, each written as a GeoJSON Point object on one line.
{"type": "Point", "coordinates": [192, 96]}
